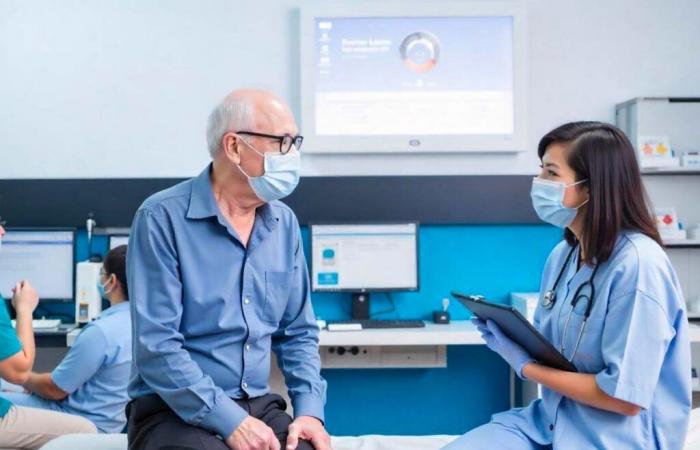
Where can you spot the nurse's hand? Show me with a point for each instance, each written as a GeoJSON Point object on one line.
{"type": "Point", "coordinates": [24, 298]}
{"type": "Point", "coordinates": [513, 353]}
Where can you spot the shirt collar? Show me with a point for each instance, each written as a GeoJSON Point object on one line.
{"type": "Point", "coordinates": [115, 309]}
{"type": "Point", "coordinates": [203, 204]}
{"type": "Point", "coordinates": [269, 216]}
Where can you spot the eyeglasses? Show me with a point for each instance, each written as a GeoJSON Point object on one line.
{"type": "Point", "coordinates": [286, 141]}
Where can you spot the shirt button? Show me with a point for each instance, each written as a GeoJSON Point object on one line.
{"type": "Point", "coordinates": [246, 300]}
{"type": "Point", "coordinates": [245, 385]}
{"type": "Point", "coordinates": [247, 347]}
{"type": "Point", "coordinates": [551, 427]}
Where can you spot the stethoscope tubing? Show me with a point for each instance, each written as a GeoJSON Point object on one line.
{"type": "Point", "coordinates": [550, 299]}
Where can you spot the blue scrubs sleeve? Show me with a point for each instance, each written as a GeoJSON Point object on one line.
{"type": "Point", "coordinates": [83, 360]}
{"type": "Point", "coordinates": [9, 344]}
{"type": "Point", "coordinates": [636, 335]}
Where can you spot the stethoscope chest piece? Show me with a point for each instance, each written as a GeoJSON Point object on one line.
{"type": "Point", "coordinates": [548, 299]}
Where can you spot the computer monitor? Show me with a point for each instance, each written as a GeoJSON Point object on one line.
{"type": "Point", "coordinates": [364, 258]}
{"type": "Point", "coordinates": [44, 257]}
{"type": "Point", "coordinates": [115, 240]}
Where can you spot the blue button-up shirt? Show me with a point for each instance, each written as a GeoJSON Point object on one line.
{"type": "Point", "coordinates": [207, 310]}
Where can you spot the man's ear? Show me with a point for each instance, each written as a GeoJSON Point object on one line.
{"type": "Point", "coordinates": [231, 148]}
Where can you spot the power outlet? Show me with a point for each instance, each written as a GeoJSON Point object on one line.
{"type": "Point", "coordinates": [350, 357]}
{"type": "Point", "coordinates": [356, 357]}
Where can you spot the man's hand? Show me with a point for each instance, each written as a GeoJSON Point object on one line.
{"type": "Point", "coordinates": [310, 429]}
{"type": "Point", "coordinates": [24, 298]}
{"type": "Point", "coordinates": [253, 434]}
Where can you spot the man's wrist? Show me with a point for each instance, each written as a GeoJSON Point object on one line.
{"type": "Point", "coordinates": [310, 405]}
{"type": "Point", "coordinates": [225, 417]}
{"type": "Point", "coordinates": [310, 417]}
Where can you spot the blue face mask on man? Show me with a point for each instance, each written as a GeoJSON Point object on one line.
{"type": "Point", "coordinates": [548, 202]}
{"type": "Point", "coordinates": [281, 175]}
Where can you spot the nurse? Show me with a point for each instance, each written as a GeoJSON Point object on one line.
{"type": "Point", "coordinates": [91, 380]}
{"type": "Point", "coordinates": [609, 301]}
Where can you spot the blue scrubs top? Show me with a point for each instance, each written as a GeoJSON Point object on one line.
{"type": "Point", "coordinates": [9, 346]}
{"type": "Point", "coordinates": [635, 342]}
{"type": "Point", "coordinates": [95, 372]}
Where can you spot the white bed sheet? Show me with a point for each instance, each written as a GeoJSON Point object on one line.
{"type": "Point", "coordinates": [369, 442]}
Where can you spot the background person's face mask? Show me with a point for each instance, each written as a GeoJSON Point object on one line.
{"type": "Point", "coordinates": [101, 288]}
{"type": "Point", "coordinates": [281, 175]}
{"type": "Point", "coordinates": [548, 202]}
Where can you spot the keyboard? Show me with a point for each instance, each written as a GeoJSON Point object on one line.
{"type": "Point", "coordinates": [42, 324]}
{"type": "Point", "coordinates": [349, 325]}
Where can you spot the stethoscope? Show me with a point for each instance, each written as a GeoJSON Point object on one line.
{"type": "Point", "coordinates": [550, 298]}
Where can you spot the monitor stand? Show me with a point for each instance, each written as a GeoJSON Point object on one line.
{"type": "Point", "coordinates": [360, 306]}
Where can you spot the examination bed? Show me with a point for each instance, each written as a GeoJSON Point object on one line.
{"type": "Point", "coordinates": [373, 442]}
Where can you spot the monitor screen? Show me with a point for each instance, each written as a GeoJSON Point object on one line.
{"type": "Point", "coordinates": [43, 257]}
{"type": "Point", "coordinates": [414, 76]}
{"type": "Point", "coordinates": [361, 258]}
{"type": "Point", "coordinates": [117, 240]}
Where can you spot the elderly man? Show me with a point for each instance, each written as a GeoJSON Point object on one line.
{"type": "Point", "coordinates": [217, 278]}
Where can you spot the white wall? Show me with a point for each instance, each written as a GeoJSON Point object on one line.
{"type": "Point", "coordinates": [83, 82]}
{"type": "Point", "coordinates": [148, 72]}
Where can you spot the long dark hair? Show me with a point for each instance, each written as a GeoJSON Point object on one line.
{"type": "Point", "coordinates": [601, 154]}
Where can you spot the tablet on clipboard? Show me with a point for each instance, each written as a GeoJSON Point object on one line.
{"type": "Point", "coordinates": [517, 328]}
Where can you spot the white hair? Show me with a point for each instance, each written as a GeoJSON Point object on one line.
{"type": "Point", "coordinates": [232, 114]}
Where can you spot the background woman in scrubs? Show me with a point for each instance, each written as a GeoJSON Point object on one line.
{"type": "Point", "coordinates": [633, 388]}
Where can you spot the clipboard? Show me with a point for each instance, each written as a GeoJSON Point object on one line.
{"type": "Point", "coordinates": [517, 328]}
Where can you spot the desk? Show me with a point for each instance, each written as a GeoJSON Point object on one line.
{"type": "Point", "coordinates": [458, 332]}
{"type": "Point", "coordinates": [54, 338]}
{"type": "Point", "coordinates": [51, 346]}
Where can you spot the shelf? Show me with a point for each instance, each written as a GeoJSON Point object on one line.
{"type": "Point", "coordinates": [672, 171]}
{"type": "Point", "coordinates": [682, 243]}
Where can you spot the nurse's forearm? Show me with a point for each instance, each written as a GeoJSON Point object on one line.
{"type": "Point", "coordinates": [25, 335]}
{"type": "Point", "coordinates": [581, 387]}
{"type": "Point", "coordinates": [42, 385]}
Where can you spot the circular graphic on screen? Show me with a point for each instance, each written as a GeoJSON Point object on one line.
{"type": "Point", "coordinates": [420, 51]}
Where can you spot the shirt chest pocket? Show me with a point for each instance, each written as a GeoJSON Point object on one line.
{"type": "Point", "coordinates": [277, 291]}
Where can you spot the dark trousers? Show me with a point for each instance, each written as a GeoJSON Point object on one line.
{"type": "Point", "coordinates": [154, 426]}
